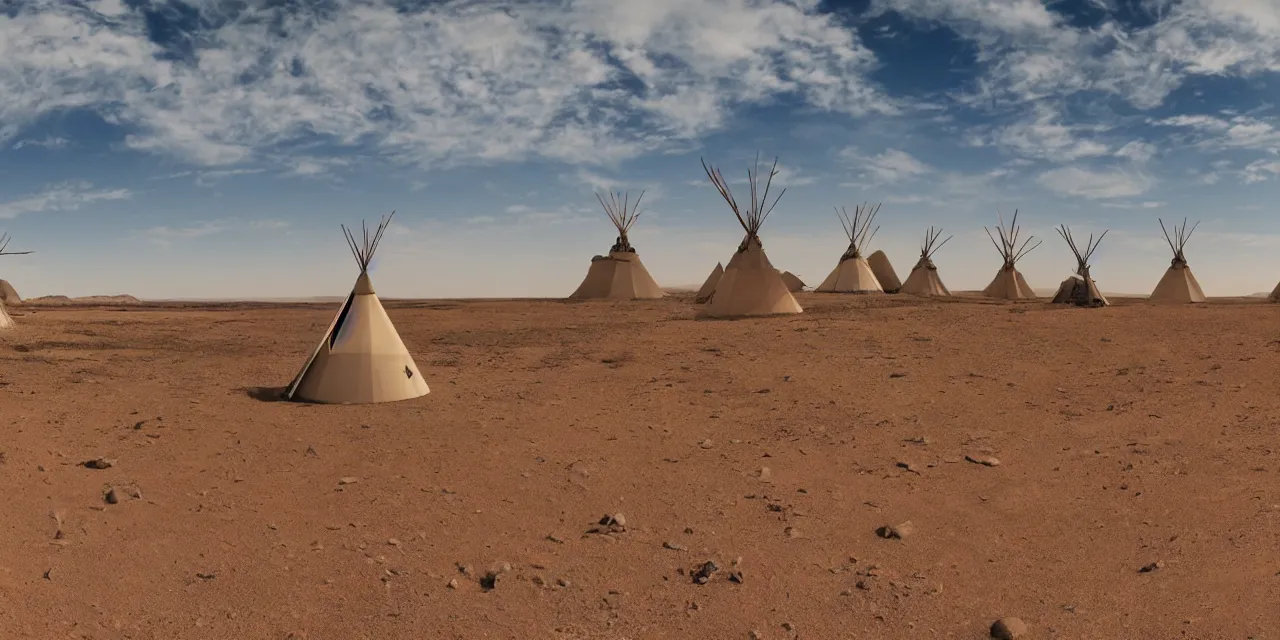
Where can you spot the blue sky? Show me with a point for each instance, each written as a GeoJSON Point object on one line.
{"type": "Point", "coordinates": [210, 148]}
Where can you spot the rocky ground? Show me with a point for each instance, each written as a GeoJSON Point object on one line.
{"type": "Point", "coordinates": [874, 468]}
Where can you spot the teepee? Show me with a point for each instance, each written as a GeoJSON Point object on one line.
{"type": "Point", "coordinates": [1178, 285]}
{"type": "Point", "coordinates": [6, 322]}
{"type": "Point", "coordinates": [885, 275]}
{"type": "Point", "coordinates": [361, 358]}
{"type": "Point", "coordinates": [750, 285]}
{"type": "Point", "coordinates": [793, 282]}
{"type": "Point", "coordinates": [1275, 294]}
{"type": "Point", "coordinates": [619, 275]}
{"type": "Point", "coordinates": [852, 274]}
{"type": "Point", "coordinates": [1079, 288]}
{"type": "Point", "coordinates": [923, 279]}
{"type": "Point", "coordinates": [709, 285]}
{"type": "Point", "coordinates": [1009, 283]}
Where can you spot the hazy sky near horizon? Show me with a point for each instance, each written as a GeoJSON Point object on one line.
{"type": "Point", "coordinates": [210, 148]}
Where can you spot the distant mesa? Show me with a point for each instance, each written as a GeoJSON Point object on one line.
{"type": "Point", "coordinates": [64, 301]}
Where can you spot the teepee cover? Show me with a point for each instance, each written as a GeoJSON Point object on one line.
{"type": "Point", "coordinates": [620, 275]}
{"type": "Point", "coordinates": [793, 282]}
{"type": "Point", "coordinates": [1079, 288]}
{"type": "Point", "coordinates": [853, 274]}
{"type": "Point", "coordinates": [885, 274]}
{"type": "Point", "coordinates": [709, 285]}
{"type": "Point", "coordinates": [923, 279]}
{"type": "Point", "coordinates": [1178, 285]}
{"type": "Point", "coordinates": [361, 358]}
{"type": "Point", "coordinates": [6, 290]}
{"type": "Point", "coordinates": [1009, 283]}
{"type": "Point", "coordinates": [750, 285]}
{"type": "Point", "coordinates": [1275, 294]}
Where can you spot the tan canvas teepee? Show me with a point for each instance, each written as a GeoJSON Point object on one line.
{"type": "Point", "coordinates": [1178, 285]}
{"type": "Point", "coordinates": [619, 275]}
{"type": "Point", "coordinates": [709, 285]}
{"type": "Point", "coordinates": [888, 278]}
{"type": "Point", "coordinates": [1009, 283]}
{"type": "Point", "coordinates": [750, 285]}
{"type": "Point", "coordinates": [6, 322]}
{"type": "Point", "coordinates": [1275, 294]}
{"type": "Point", "coordinates": [361, 358]}
{"type": "Point", "coordinates": [1080, 289]}
{"type": "Point", "coordinates": [852, 274]}
{"type": "Point", "coordinates": [793, 283]}
{"type": "Point", "coordinates": [923, 279]}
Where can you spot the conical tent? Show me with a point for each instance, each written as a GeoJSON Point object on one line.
{"type": "Point", "coordinates": [8, 295]}
{"type": "Point", "coordinates": [709, 285]}
{"type": "Point", "coordinates": [619, 275]}
{"type": "Point", "coordinates": [361, 358]}
{"type": "Point", "coordinates": [1080, 289]}
{"type": "Point", "coordinates": [1275, 294]}
{"type": "Point", "coordinates": [923, 279]}
{"type": "Point", "coordinates": [885, 275]}
{"type": "Point", "coordinates": [750, 285]}
{"type": "Point", "coordinates": [1178, 285]}
{"type": "Point", "coordinates": [793, 283]}
{"type": "Point", "coordinates": [1009, 283]}
{"type": "Point", "coordinates": [852, 274]}
{"type": "Point", "coordinates": [6, 322]}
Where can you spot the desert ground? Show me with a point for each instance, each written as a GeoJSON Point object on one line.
{"type": "Point", "coordinates": [1101, 474]}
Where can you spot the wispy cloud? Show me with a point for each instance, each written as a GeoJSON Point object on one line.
{"type": "Point", "coordinates": [48, 142]}
{"type": "Point", "coordinates": [1086, 183]}
{"type": "Point", "coordinates": [890, 165]}
{"type": "Point", "coordinates": [62, 196]}
{"type": "Point", "coordinates": [166, 235]}
{"type": "Point", "coordinates": [439, 84]}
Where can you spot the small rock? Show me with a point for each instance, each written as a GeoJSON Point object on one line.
{"type": "Point", "coordinates": [787, 626]}
{"type": "Point", "coordinates": [792, 532]}
{"type": "Point", "coordinates": [1008, 628]}
{"type": "Point", "coordinates": [453, 584]}
{"type": "Point", "coordinates": [702, 573]}
{"type": "Point", "coordinates": [735, 576]}
{"type": "Point", "coordinates": [348, 480]}
{"type": "Point", "coordinates": [561, 582]}
{"type": "Point", "coordinates": [111, 496]}
{"type": "Point", "coordinates": [99, 463]}
{"type": "Point", "coordinates": [765, 474]}
{"type": "Point", "coordinates": [896, 531]}
{"type": "Point", "coordinates": [673, 546]}
{"type": "Point", "coordinates": [986, 461]}
{"type": "Point", "coordinates": [897, 374]}
{"type": "Point", "coordinates": [489, 580]}
{"type": "Point", "coordinates": [616, 523]}
{"type": "Point", "coordinates": [706, 444]}
{"type": "Point", "coordinates": [393, 542]}
{"type": "Point", "coordinates": [1151, 567]}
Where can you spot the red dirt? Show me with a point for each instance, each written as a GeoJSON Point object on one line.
{"type": "Point", "coordinates": [1126, 436]}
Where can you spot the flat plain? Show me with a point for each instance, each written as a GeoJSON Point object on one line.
{"type": "Point", "coordinates": [1136, 495]}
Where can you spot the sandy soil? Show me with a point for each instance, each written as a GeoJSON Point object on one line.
{"type": "Point", "coordinates": [1127, 437]}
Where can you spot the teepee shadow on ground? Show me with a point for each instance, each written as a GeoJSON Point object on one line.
{"type": "Point", "coordinates": [265, 394]}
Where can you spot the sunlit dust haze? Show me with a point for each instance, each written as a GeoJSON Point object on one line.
{"type": "Point", "coordinates": [212, 148]}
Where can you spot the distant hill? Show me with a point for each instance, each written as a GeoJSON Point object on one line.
{"type": "Point", "coordinates": [64, 301]}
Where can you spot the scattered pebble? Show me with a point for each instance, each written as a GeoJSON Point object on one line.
{"type": "Point", "coordinates": [707, 444]}
{"type": "Point", "coordinates": [765, 474]}
{"type": "Point", "coordinates": [111, 496]}
{"type": "Point", "coordinates": [735, 576]}
{"type": "Point", "coordinates": [453, 583]}
{"type": "Point", "coordinates": [489, 580]}
{"type": "Point", "coordinates": [1008, 629]}
{"type": "Point", "coordinates": [673, 546]}
{"type": "Point", "coordinates": [99, 463]}
{"type": "Point", "coordinates": [986, 461]}
{"type": "Point", "coordinates": [1151, 567]}
{"type": "Point", "coordinates": [702, 573]}
{"type": "Point", "coordinates": [348, 480]}
{"type": "Point", "coordinates": [616, 523]}
{"type": "Point", "coordinates": [896, 531]}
